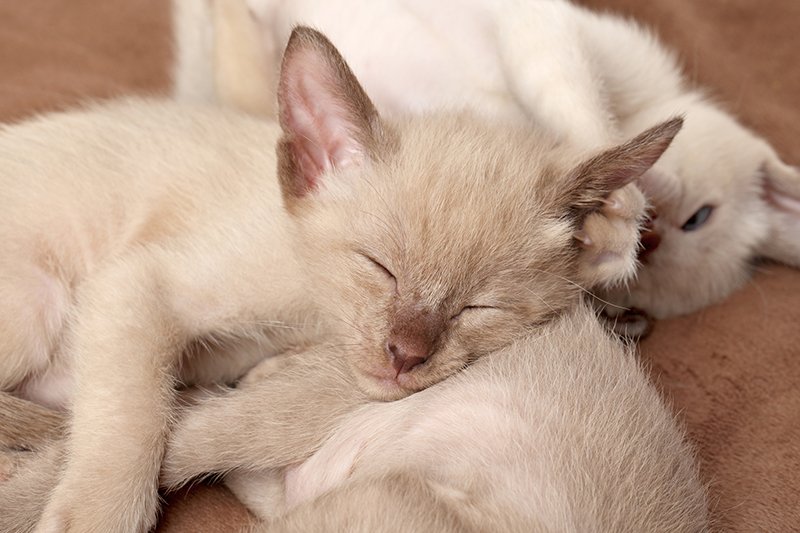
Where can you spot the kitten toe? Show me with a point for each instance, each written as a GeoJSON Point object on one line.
{"type": "Point", "coordinates": [583, 238]}
{"type": "Point", "coordinates": [632, 324]}
{"type": "Point", "coordinates": [627, 203]}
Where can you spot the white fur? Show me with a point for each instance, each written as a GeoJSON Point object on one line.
{"type": "Point", "coordinates": [194, 27]}
{"type": "Point", "coordinates": [588, 78]}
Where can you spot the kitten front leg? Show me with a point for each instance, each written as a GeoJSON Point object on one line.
{"type": "Point", "coordinates": [132, 322]}
{"type": "Point", "coordinates": [279, 417]}
{"type": "Point", "coordinates": [262, 492]}
{"type": "Point", "coordinates": [126, 344]}
{"type": "Point", "coordinates": [610, 233]}
{"type": "Point", "coordinates": [275, 422]}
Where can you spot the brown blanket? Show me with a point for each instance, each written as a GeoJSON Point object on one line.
{"type": "Point", "coordinates": [732, 371]}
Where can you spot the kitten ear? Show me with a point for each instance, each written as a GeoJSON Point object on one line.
{"type": "Point", "coordinates": [327, 119]}
{"type": "Point", "coordinates": [599, 176]}
{"type": "Point", "coordinates": [781, 190]}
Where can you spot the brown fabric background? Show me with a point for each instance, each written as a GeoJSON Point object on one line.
{"type": "Point", "coordinates": [732, 371]}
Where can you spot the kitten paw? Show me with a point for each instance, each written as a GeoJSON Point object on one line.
{"type": "Point", "coordinates": [73, 512]}
{"type": "Point", "coordinates": [632, 324]}
{"type": "Point", "coordinates": [610, 238]}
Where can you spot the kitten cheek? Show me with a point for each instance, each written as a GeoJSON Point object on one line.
{"type": "Point", "coordinates": [491, 336]}
{"type": "Point", "coordinates": [387, 286]}
{"type": "Point", "coordinates": [480, 320]}
{"type": "Point", "coordinates": [371, 285]}
{"type": "Point", "coordinates": [471, 316]}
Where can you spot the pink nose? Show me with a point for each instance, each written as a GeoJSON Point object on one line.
{"type": "Point", "coordinates": [405, 355]}
{"type": "Point", "coordinates": [650, 241]}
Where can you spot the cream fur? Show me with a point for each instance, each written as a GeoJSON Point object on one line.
{"type": "Point", "coordinates": [152, 243]}
{"type": "Point", "coordinates": [587, 78]}
{"type": "Point", "coordinates": [560, 431]}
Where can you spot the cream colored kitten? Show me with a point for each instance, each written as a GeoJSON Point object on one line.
{"type": "Point", "coordinates": [150, 243]}
{"type": "Point", "coordinates": [722, 195]}
{"type": "Point", "coordinates": [560, 431]}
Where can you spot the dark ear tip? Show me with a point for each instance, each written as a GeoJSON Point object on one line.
{"type": "Point", "coordinates": [306, 35]}
{"type": "Point", "coordinates": [303, 32]}
{"type": "Point", "coordinates": [670, 128]}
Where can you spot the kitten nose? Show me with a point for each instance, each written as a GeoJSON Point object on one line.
{"type": "Point", "coordinates": [405, 356]}
{"type": "Point", "coordinates": [650, 241]}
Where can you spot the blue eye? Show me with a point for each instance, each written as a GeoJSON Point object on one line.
{"type": "Point", "coordinates": [700, 217]}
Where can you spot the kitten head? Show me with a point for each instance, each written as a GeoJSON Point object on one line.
{"type": "Point", "coordinates": [721, 199]}
{"type": "Point", "coordinates": [434, 240]}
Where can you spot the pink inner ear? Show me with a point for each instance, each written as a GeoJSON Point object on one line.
{"type": "Point", "coordinates": [781, 187]}
{"type": "Point", "coordinates": [780, 200]}
{"type": "Point", "coordinates": [316, 115]}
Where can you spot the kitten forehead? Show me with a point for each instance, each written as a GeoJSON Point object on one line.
{"type": "Point", "coordinates": [462, 212]}
{"type": "Point", "coordinates": [463, 142]}
{"type": "Point", "coordinates": [712, 161]}
{"type": "Point", "coordinates": [467, 203]}
{"type": "Point", "coordinates": [448, 162]}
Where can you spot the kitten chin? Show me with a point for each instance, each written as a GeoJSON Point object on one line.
{"type": "Point", "coordinates": [385, 388]}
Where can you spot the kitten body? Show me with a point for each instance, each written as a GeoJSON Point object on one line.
{"type": "Point", "coordinates": [559, 431]}
{"type": "Point", "coordinates": [154, 242]}
{"type": "Point", "coordinates": [100, 199]}
{"type": "Point", "coordinates": [587, 78]}
{"type": "Point", "coordinates": [124, 252]}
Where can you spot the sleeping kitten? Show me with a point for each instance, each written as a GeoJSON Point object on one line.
{"type": "Point", "coordinates": [560, 431]}
{"type": "Point", "coordinates": [149, 242]}
{"type": "Point", "coordinates": [721, 194]}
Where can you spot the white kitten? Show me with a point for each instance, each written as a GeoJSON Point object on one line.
{"type": "Point", "coordinates": [722, 196]}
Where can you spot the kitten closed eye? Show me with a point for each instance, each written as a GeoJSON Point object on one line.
{"type": "Point", "coordinates": [473, 308]}
{"type": "Point", "coordinates": [380, 267]}
{"type": "Point", "coordinates": [698, 219]}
